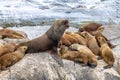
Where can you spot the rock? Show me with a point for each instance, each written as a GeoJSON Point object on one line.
{"type": "Point", "coordinates": [43, 66]}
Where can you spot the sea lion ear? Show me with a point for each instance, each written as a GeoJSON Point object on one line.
{"type": "Point", "coordinates": [65, 22]}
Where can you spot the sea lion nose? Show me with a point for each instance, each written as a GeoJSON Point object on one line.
{"type": "Point", "coordinates": [67, 25]}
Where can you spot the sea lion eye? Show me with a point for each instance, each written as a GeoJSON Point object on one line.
{"type": "Point", "coordinates": [65, 22]}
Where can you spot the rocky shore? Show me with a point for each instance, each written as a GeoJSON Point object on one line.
{"type": "Point", "coordinates": [43, 66]}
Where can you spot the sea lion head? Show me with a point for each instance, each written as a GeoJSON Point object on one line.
{"type": "Point", "coordinates": [92, 26]}
{"type": "Point", "coordinates": [101, 40]}
{"type": "Point", "coordinates": [74, 46]}
{"type": "Point", "coordinates": [86, 34]}
{"type": "Point", "coordinates": [81, 29]}
{"type": "Point", "coordinates": [58, 28]}
{"type": "Point", "coordinates": [100, 29]}
{"type": "Point", "coordinates": [63, 49]}
{"type": "Point", "coordinates": [22, 48]}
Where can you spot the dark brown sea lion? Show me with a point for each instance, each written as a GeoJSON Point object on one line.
{"type": "Point", "coordinates": [90, 27]}
{"type": "Point", "coordinates": [49, 40]}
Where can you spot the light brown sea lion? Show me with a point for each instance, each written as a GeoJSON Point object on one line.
{"type": "Point", "coordinates": [81, 40]}
{"type": "Point", "coordinates": [92, 59]}
{"type": "Point", "coordinates": [91, 43]}
{"type": "Point", "coordinates": [99, 33]}
{"type": "Point", "coordinates": [7, 48]}
{"type": "Point", "coordinates": [68, 40]}
{"type": "Point", "coordinates": [48, 40]}
{"type": "Point", "coordinates": [11, 58]}
{"type": "Point", "coordinates": [65, 53]}
{"type": "Point", "coordinates": [106, 53]}
{"type": "Point", "coordinates": [9, 33]}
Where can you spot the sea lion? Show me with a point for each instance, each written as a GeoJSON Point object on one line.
{"type": "Point", "coordinates": [65, 53]}
{"type": "Point", "coordinates": [99, 33]}
{"type": "Point", "coordinates": [106, 53]}
{"type": "Point", "coordinates": [91, 43]}
{"type": "Point", "coordinates": [81, 40]}
{"type": "Point", "coordinates": [68, 40]}
{"type": "Point", "coordinates": [9, 33]}
{"type": "Point", "coordinates": [7, 48]}
{"type": "Point", "coordinates": [92, 59]}
{"type": "Point", "coordinates": [48, 40]}
{"type": "Point", "coordinates": [90, 27]}
{"type": "Point", "coordinates": [11, 58]}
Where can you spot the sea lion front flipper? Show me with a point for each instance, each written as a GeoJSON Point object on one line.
{"type": "Point", "coordinates": [57, 58]}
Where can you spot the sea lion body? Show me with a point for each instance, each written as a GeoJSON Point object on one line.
{"type": "Point", "coordinates": [48, 40]}
{"type": "Point", "coordinates": [7, 48]}
{"type": "Point", "coordinates": [81, 40]}
{"type": "Point", "coordinates": [91, 43]}
{"type": "Point", "coordinates": [9, 33]}
{"type": "Point", "coordinates": [90, 27]}
{"type": "Point", "coordinates": [68, 40]}
{"type": "Point", "coordinates": [65, 53]}
{"type": "Point", "coordinates": [98, 34]}
{"type": "Point", "coordinates": [11, 58]}
{"type": "Point", "coordinates": [106, 53]}
{"type": "Point", "coordinates": [92, 59]}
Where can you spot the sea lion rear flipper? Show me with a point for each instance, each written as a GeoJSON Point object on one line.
{"type": "Point", "coordinates": [92, 65]}
{"type": "Point", "coordinates": [99, 58]}
{"type": "Point", "coordinates": [108, 66]}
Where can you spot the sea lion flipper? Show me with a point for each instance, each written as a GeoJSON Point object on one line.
{"type": "Point", "coordinates": [92, 65]}
{"type": "Point", "coordinates": [108, 66]}
{"type": "Point", "coordinates": [58, 59]}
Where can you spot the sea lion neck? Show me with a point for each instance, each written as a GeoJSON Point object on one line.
{"type": "Point", "coordinates": [50, 34]}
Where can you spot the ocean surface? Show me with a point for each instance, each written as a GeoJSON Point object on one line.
{"type": "Point", "coordinates": [36, 11]}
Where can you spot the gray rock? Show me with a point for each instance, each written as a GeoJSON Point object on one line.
{"type": "Point", "coordinates": [43, 66]}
